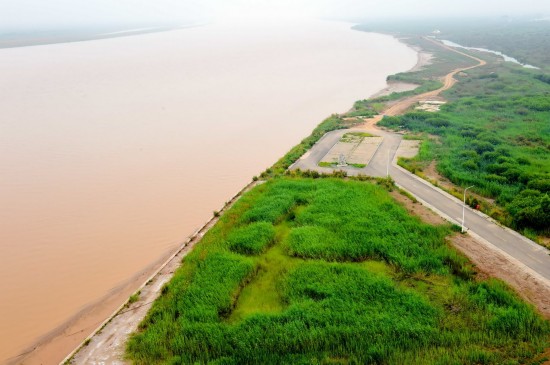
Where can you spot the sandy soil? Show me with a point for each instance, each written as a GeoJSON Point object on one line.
{"type": "Point", "coordinates": [394, 87]}
{"type": "Point", "coordinates": [431, 172]}
{"type": "Point", "coordinates": [424, 59]}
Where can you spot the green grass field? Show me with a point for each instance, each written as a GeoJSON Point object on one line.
{"type": "Point", "coordinates": [319, 271]}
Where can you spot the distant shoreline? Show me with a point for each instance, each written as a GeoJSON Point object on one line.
{"type": "Point", "coordinates": [423, 59]}
{"type": "Point", "coordinates": [18, 40]}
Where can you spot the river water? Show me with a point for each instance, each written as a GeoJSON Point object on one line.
{"type": "Point", "coordinates": [113, 151]}
{"type": "Point", "coordinates": [505, 57]}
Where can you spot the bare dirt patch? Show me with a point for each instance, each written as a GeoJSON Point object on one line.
{"type": "Point", "coordinates": [424, 59]}
{"type": "Point", "coordinates": [545, 355]}
{"type": "Point", "coordinates": [431, 173]}
{"type": "Point", "coordinates": [417, 209]}
{"type": "Point", "coordinates": [394, 87]}
{"type": "Point", "coordinates": [492, 263]}
{"type": "Point", "coordinates": [431, 106]}
{"type": "Point", "coordinates": [488, 261]}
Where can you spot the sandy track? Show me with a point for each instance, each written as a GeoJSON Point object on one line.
{"type": "Point", "coordinates": [448, 81]}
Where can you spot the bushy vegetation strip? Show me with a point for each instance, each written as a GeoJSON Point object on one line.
{"type": "Point", "coordinates": [347, 277]}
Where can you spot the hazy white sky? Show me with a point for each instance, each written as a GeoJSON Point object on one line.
{"type": "Point", "coordinates": [38, 13]}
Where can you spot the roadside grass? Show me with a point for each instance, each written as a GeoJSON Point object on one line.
{"type": "Point", "coordinates": [370, 284]}
{"type": "Point", "coordinates": [327, 164]}
{"type": "Point", "coordinates": [335, 164]}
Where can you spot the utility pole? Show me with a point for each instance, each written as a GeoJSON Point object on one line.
{"type": "Point", "coordinates": [464, 205]}
{"type": "Point", "coordinates": [388, 165]}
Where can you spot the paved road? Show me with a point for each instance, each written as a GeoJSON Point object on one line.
{"type": "Point", "coordinates": [522, 249]}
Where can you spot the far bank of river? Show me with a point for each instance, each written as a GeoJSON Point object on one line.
{"type": "Point", "coordinates": [113, 151]}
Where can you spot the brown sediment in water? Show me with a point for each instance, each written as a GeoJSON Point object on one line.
{"type": "Point", "coordinates": [113, 151]}
{"type": "Point", "coordinates": [70, 334]}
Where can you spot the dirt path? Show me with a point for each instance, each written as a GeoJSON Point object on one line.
{"type": "Point", "coordinates": [488, 262]}
{"type": "Point", "coordinates": [448, 81]}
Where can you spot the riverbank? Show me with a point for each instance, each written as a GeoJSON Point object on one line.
{"type": "Point", "coordinates": [423, 59]}
{"type": "Point", "coordinates": [81, 260]}
{"type": "Point", "coordinates": [108, 344]}
{"type": "Point", "coordinates": [110, 337]}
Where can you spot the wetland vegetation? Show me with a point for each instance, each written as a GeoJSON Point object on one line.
{"type": "Point", "coordinates": [338, 273]}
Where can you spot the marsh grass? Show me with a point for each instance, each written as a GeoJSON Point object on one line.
{"type": "Point", "coordinates": [348, 278]}
{"type": "Point", "coordinates": [252, 239]}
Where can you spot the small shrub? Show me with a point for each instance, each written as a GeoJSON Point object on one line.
{"type": "Point", "coordinates": [252, 239]}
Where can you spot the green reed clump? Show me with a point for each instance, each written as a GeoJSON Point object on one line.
{"type": "Point", "coordinates": [252, 239]}
{"type": "Point", "coordinates": [269, 209]}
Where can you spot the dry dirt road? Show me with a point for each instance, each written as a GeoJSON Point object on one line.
{"type": "Point", "coordinates": [448, 81]}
